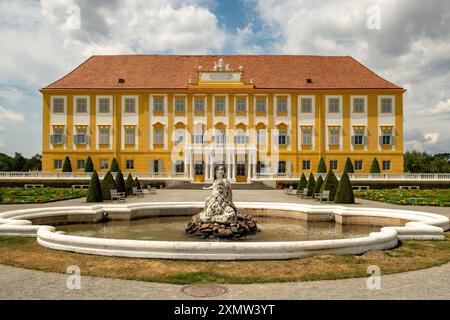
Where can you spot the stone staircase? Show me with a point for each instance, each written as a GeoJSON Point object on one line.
{"type": "Point", "coordinates": [187, 185]}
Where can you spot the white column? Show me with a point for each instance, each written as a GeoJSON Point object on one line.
{"type": "Point", "coordinates": [254, 166]}
{"type": "Point", "coordinates": [233, 161]}
{"type": "Point", "coordinates": [249, 169]}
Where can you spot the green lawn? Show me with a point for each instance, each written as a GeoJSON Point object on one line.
{"type": "Point", "coordinates": [38, 195]}
{"type": "Point", "coordinates": [435, 197]}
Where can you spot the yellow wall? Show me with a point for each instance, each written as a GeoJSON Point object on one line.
{"type": "Point", "coordinates": [143, 154]}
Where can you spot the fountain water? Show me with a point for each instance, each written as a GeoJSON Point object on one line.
{"type": "Point", "coordinates": [221, 218]}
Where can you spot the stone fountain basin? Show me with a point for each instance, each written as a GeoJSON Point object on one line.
{"type": "Point", "coordinates": [395, 225]}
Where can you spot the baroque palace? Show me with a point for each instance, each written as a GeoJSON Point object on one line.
{"type": "Point", "coordinates": [256, 114]}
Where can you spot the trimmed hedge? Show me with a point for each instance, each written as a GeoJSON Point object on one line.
{"type": "Point", "coordinates": [129, 184]}
{"type": "Point", "coordinates": [94, 193]}
{"type": "Point", "coordinates": [108, 184]}
{"type": "Point", "coordinates": [89, 165]}
{"type": "Point", "coordinates": [330, 183]}
{"type": "Point", "coordinates": [322, 168]}
{"type": "Point", "coordinates": [318, 186]}
{"type": "Point", "coordinates": [301, 184]}
{"type": "Point", "coordinates": [375, 167]}
{"type": "Point", "coordinates": [114, 166]}
{"type": "Point", "coordinates": [137, 184]}
{"type": "Point", "coordinates": [344, 192]}
{"type": "Point", "coordinates": [311, 185]}
{"type": "Point", "coordinates": [120, 182]}
{"type": "Point", "coordinates": [67, 166]}
{"type": "Point", "coordinates": [349, 166]}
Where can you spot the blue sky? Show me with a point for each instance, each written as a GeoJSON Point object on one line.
{"type": "Point", "coordinates": [43, 40]}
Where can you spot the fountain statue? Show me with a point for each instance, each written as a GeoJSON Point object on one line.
{"type": "Point", "coordinates": [221, 218]}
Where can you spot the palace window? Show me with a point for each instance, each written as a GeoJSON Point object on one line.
{"type": "Point", "coordinates": [358, 105]}
{"type": "Point", "coordinates": [358, 138]}
{"type": "Point", "coordinates": [306, 136]}
{"type": "Point", "coordinates": [220, 104]}
{"type": "Point", "coordinates": [80, 137]}
{"type": "Point", "coordinates": [179, 105]}
{"type": "Point", "coordinates": [219, 137]}
{"type": "Point", "coordinates": [386, 105]}
{"type": "Point", "coordinates": [130, 105]}
{"type": "Point", "coordinates": [103, 105]}
{"type": "Point", "coordinates": [179, 136]}
{"type": "Point", "coordinates": [104, 135]}
{"type": "Point", "coordinates": [281, 166]}
{"type": "Point", "coordinates": [179, 166]}
{"type": "Point", "coordinates": [386, 164]}
{"type": "Point", "coordinates": [158, 104]}
{"type": "Point", "coordinates": [130, 135]}
{"type": "Point", "coordinates": [240, 169]}
{"type": "Point", "coordinates": [282, 137]}
{"type": "Point", "coordinates": [241, 105]}
{"type": "Point", "coordinates": [334, 136]}
{"type": "Point", "coordinates": [199, 105]}
{"type": "Point", "coordinates": [81, 105]}
{"type": "Point", "coordinates": [58, 135]}
{"type": "Point", "coordinates": [281, 105]}
{"type": "Point", "coordinates": [239, 138]}
{"type": "Point", "coordinates": [358, 164]}
{"type": "Point", "coordinates": [104, 164]}
{"type": "Point", "coordinates": [58, 105]}
{"type": "Point", "coordinates": [333, 105]}
{"type": "Point", "coordinates": [158, 138]}
{"type": "Point", "coordinates": [81, 163]}
{"type": "Point", "coordinates": [386, 136]}
{"type": "Point", "coordinates": [156, 165]}
{"type": "Point", "coordinates": [57, 164]}
{"type": "Point", "coordinates": [306, 164]}
{"type": "Point", "coordinates": [129, 164]}
{"type": "Point", "coordinates": [261, 105]}
{"type": "Point", "coordinates": [333, 164]}
{"type": "Point", "coordinates": [198, 168]}
{"type": "Point", "coordinates": [261, 137]}
{"type": "Point", "coordinates": [306, 105]}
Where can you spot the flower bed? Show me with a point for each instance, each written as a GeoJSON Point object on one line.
{"type": "Point", "coordinates": [436, 197]}
{"type": "Point", "coordinates": [38, 195]}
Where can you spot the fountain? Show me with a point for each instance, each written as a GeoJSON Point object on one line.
{"type": "Point", "coordinates": [220, 217]}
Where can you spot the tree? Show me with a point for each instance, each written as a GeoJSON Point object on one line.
{"type": "Point", "coordinates": [88, 165]}
{"type": "Point", "coordinates": [137, 184]}
{"type": "Point", "coordinates": [108, 184]}
{"type": "Point", "coordinates": [34, 163]}
{"type": "Point", "coordinates": [18, 163]}
{"type": "Point", "coordinates": [120, 182]}
{"type": "Point", "coordinates": [349, 166]}
{"type": "Point", "coordinates": [94, 193]}
{"type": "Point", "coordinates": [318, 186]}
{"type": "Point", "coordinates": [311, 185]}
{"type": "Point", "coordinates": [322, 168]}
{"type": "Point", "coordinates": [330, 183]}
{"type": "Point", "coordinates": [344, 192]}
{"type": "Point", "coordinates": [301, 184]}
{"type": "Point", "coordinates": [375, 167]}
{"type": "Point", "coordinates": [114, 166]}
{"type": "Point", "coordinates": [129, 184]}
{"type": "Point", "coordinates": [67, 166]}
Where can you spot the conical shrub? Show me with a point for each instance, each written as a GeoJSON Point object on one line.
{"type": "Point", "coordinates": [108, 184]}
{"type": "Point", "coordinates": [129, 184]}
{"type": "Point", "coordinates": [375, 167]}
{"type": "Point", "coordinates": [67, 166]}
{"type": "Point", "coordinates": [349, 166]}
{"type": "Point", "coordinates": [319, 183]}
{"type": "Point", "coordinates": [322, 168]}
{"type": "Point", "coordinates": [311, 185]}
{"type": "Point", "coordinates": [114, 166]}
{"type": "Point", "coordinates": [89, 165]}
{"type": "Point", "coordinates": [301, 184]}
{"type": "Point", "coordinates": [94, 193]}
{"type": "Point", "coordinates": [330, 183]}
{"type": "Point", "coordinates": [137, 184]}
{"type": "Point", "coordinates": [120, 182]}
{"type": "Point", "coordinates": [344, 193]}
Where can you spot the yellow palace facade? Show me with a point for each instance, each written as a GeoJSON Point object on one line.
{"type": "Point", "coordinates": [255, 114]}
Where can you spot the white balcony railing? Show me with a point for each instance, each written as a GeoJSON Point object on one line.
{"type": "Point", "coordinates": [38, 175]}
{"type": "Point", "coordinates": [362, 176]}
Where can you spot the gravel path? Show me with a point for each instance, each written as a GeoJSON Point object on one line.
{"type": "Point", "coordinates": [432, 283]}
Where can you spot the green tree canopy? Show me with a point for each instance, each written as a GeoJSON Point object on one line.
{"type": "Point", "coordinates": [301, 184]}
{"type": "Point", "coordinates": [311, 185]}
{"type": "Point", "coordinates": [348, 166]}
{"type": "Point", "coordinates": [318, 186]}
{"type": "Point", "coordinates": [344, 192]}
{"type": "Point", "coordinates": [137, 184]}
{"type": "Point", "coordinates": [108, 184]}
{"type": "Point", "coordinates": [67, 166]}
{"type": "Point", "coordinates": [94, 193]}
{"type": "Point", "coordinates": [120, 182]}
{"type": "Point", "coordinates": [330, 183]}
{"type": "Point", "coordinates": [114, 166]}
{"type": "Point", "coordinates": [322, 168]}
{"type": "Point", "coordinates": [129, 184]}
{"type": "Point", "coordinates": [375, 167]}
{"type": "Point", "coordinates": [88, 165]}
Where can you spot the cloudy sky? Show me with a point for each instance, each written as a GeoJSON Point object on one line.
{"type": "Point", "coordinates": [405, 41]}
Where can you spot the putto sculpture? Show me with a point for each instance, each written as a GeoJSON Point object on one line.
{"type": "Point", "coordinates": [221, 218]}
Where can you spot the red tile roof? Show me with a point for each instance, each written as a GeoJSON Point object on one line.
{"type": "Point", "coordinates": [266, 71]}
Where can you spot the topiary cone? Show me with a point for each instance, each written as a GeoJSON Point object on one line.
{"type": "Point", "coordinates": [344, 193]}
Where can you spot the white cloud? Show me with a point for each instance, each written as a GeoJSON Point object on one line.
{"type": "Point", "coordinates": [9, 117]}
{"type": "Point", "coordinates": [440, 108]}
